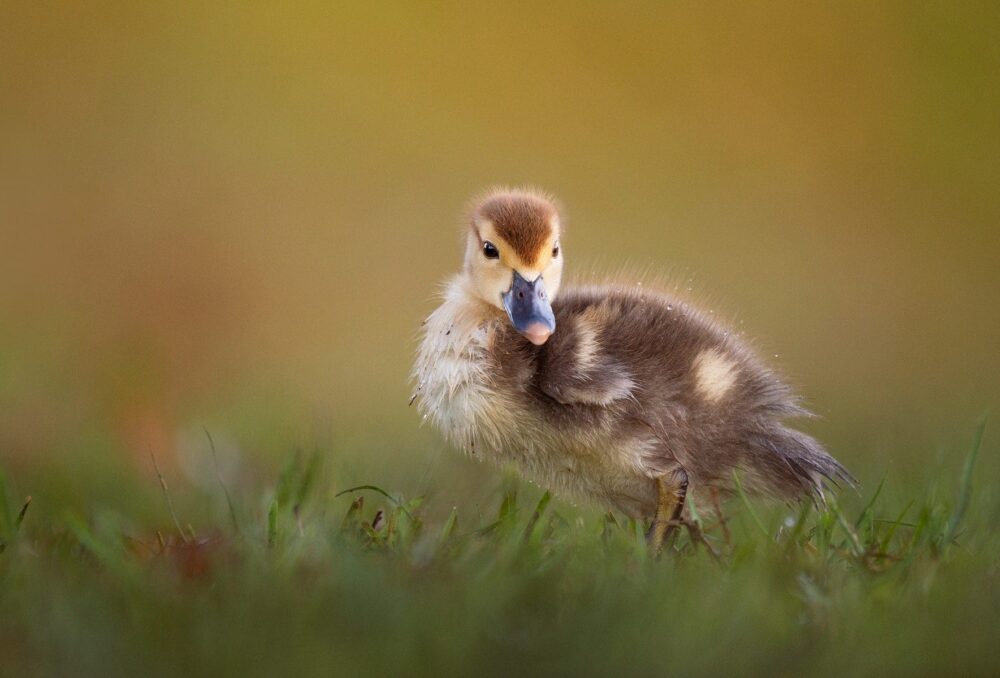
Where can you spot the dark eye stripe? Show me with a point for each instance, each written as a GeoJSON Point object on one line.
{"type": "Point", "coordinates": [490, 250]}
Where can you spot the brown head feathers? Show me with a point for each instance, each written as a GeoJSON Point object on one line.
{"type": "Point", "coordinates": [524, 219]}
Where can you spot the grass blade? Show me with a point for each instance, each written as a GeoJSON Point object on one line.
{"type": "Point", "coordinates": [375, 488]}
{"type": "Point", "coordinates": [20, 515]}
{"type": "Point", "coordinates": [166, 495]}
{"type": "Point", "coordinates": [450, 525]}
{"type": "Point", "coordinates": [352, 519]}
{"type": "Point", "coordinates": [286, 479]}
{"type": "Point", "coordinates": [859, 550]}
{"type": "Point", "coordinates": [800, 524]}
{"type": "Point", "coordinates": [893, 527]}
{"type": "Point", "coordinates": [308, 479]}
{"type": "Point", "coordinates": [543, 503]}
{"type": "Point", "coordinates": [272, 523]}
{"type": "Point", "coordinates": [871, 502]}
{"type": "Point", "coordinates": [508, 507]}
{"type": "Point", "coordinates": [106, 555]}
{"type": "Point", "coordinates": [695, 516]}
{"type": "Point", "coordinates": [965, 489]}
{"type": "Point", "coordinates": [225, 490]}
{"type": "Point", "coordinates": [746, 502]}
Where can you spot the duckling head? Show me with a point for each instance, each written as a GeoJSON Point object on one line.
{"type": "Point", "coordinates": [513, 258]}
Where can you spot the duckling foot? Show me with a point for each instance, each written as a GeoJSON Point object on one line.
{"type": "Point", "coordinates": [671, 489]}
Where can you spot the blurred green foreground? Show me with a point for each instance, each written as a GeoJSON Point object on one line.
{"type": "Point", "coordinates": [305, 581]}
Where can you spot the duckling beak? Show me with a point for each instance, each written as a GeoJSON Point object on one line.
{"type": "Point", "coordinates": [529, 309]}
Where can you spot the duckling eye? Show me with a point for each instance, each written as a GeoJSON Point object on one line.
{"type": "Point", "coordinates": [555, 251]}
{"type": "Point", "coordinates": [490, 250]}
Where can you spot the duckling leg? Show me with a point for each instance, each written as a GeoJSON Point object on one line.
{"type": "Point", "coordinates": [671, 489]}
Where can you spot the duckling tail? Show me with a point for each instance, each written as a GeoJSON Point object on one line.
{"type": "Point", "coordinates": [796, 466]}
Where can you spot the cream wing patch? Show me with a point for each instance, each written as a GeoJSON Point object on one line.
{"type": "Point", "coordinates": [714, 374]}
{"type": "Point", "coordinates": [586, 344]}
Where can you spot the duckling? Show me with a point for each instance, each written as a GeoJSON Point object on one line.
{"type": "Point", "coordinates": [620, 394]}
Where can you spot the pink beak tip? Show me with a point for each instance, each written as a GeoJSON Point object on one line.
{"type": "Point", "coordinates": [537, 333]}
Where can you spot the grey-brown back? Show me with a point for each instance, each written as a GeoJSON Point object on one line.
{"type": "Point", "coordinates": [633, 361]}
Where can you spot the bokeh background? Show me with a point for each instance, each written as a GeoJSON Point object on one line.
{"type": "Point", "coordinates": [235, 215]}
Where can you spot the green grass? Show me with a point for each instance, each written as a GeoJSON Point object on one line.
{"type": "Point", "coordinates": [310, 579]}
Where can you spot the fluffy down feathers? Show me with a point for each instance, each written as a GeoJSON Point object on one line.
{"type": "Point", "coordinates": [633, 386]}
{"type": "Point", "coordinates": [617, 397]}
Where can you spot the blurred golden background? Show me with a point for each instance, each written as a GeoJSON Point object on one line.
{"type": "Point", "coordinates": [236, 215]}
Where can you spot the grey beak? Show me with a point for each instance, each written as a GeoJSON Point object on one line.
{"type": "Point", "coordinates": [527, 304]}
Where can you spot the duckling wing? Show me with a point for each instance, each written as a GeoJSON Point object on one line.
{"type": "Point", "coordinates": [575, 368]}
{"type": "Point", "coordinates": [601, 387]}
